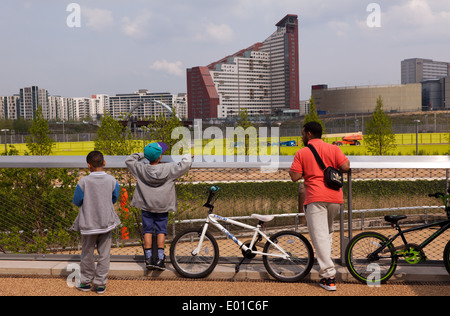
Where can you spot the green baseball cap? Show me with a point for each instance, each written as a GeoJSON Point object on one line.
{"type": "Point", "coordinates": [154, 150]}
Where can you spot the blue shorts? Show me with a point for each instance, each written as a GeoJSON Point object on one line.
{"type": "Point", "coordinates": [154, 223]}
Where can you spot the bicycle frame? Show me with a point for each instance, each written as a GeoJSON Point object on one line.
{"type": "Point", "coordinates": [212, 219]}
{"type": "Point", "coordinates": [443, 224]}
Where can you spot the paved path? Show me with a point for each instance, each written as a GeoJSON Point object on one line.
{"type": "Point", "coordinates": [130, 278]}
{"type": "Point", "coordinates": [188, 288]}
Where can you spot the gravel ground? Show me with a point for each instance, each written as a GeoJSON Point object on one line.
{"type": "Point", "coordinates": [29, 286]}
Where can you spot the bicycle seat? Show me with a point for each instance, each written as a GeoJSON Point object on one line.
{"type": "Point", "coordinates": [394, 218]}
{"type": "Point", "coordinates": [263, 218]}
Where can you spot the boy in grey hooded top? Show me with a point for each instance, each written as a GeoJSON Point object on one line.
{"type": "Point", "coordinates": [155, 195]}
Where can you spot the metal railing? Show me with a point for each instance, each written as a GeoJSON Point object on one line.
{"type": "Point", "coordinates": [264, 173]}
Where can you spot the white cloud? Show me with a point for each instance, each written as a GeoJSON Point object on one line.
{"type": "Point", "coordinates": [341, 28]}
{"type": "Point", "coordinates": [419, 18]}
{"type": "Point", "coordinates": [97, 19]}
{"type": "Point", "coordinates": [138, 27]}
{"type": "Point", "coordinates": [173, 68]}
{"type": "Point", "coordinates": [215, 32]}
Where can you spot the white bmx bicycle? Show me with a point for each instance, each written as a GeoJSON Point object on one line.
{"type": "Point", "coordinates": [287, 255]}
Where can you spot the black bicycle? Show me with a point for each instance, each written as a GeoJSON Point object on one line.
{"type": "Point", "coordinates": [372, 258]}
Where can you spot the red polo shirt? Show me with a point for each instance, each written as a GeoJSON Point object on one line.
{"type": "Point", "coordinates": [306, 164]}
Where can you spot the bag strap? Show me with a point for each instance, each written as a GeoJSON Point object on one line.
{"type": "Point", "coordinates": [318, 159]}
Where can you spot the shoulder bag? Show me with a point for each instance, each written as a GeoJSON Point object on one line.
{"type": "Point", "coordinates": [333, 178]}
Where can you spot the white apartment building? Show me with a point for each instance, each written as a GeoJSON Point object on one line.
{"type": "Point", "coordinates": [181, 105]}
{"type": "Point", "coordinates": [98, 104]}
{"type": "Point", "coordinates": [9, 107]}
{"type": "Point", "coordinates": [30, 99]}
{"type": "Point", "coordinates": [57, 108]}
{"type": "Point", "coordinates": [275, 47]}
{"type": "Point", "coordinates": [243, 80]}
{"type": "Point", "coordinates": [121, 105]}
{"type": "Point", "coordinates": [263, 78]}
{"type": "Point", "coordinates": [80, 109]}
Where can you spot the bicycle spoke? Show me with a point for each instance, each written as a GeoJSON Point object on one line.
{"type": "Point", "coordinates": [296, 266]}
{"type": "Point", "coordinates": [188, 259]}
{"type": "Point", "coordinates": [363, 264]}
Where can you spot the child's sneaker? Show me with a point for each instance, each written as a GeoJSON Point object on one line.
{"type": "Point", "coordinates": [100, 289]}
{"type": "Point", "coordinates": [84, 287]}
{"type": "Point", "coordinates": [328, 284]}
{"type": "Point", "coordinates": [149, 263]}
{"type": "Point", "coordinates": [160, 264]}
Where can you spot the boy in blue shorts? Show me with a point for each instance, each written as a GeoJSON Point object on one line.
{"type": "Point", "coordinates": [155, 195]}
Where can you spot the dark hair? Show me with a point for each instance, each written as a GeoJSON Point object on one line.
{"type": "Point", "coordinates": [95, 159]}
{"type": "Point", "coordinates": [315, 128]}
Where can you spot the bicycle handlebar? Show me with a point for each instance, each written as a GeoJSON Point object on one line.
{"type": "Point", "coordinates": [436, 195]}
{"type": "Point", "coordinates": [212, 192]}
{"type": "Point", "coordinates": [445, 199]}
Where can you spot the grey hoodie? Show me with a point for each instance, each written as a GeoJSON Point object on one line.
{"type": "Point", "coordinates": [155, 184]}
{"type": "Point", "coordinates": [96, 194]}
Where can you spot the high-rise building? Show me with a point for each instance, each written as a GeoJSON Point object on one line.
{"type": "Point", "coordinates": [60, 107]}
{"type": "Point", "coordinates": [180, 105]}
{"type": "Point", "coordinates": [30, 99]}
{"type": "Point", "coordinates": [81, 109]}
{"type": "Point", "coordinates": [99, 102]}
{"type": "Point", "coordinates": [283, 48]}
{"type": "Point", "coordinates": [122, 104]}
{"type": "Point", "coordinates": [9, 107]}
{"type": "Point", "coordinates": [263, 78]}
{"type": "Point", "coordinates": [416, 70]}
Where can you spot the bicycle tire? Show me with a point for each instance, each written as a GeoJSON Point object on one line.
{"type": "Point", "coordinates": [361, 267]}
{"type": "Point", "coordinates": [447, 257]}
{"type": "Point", "coordinates": [301, 257]}
{"type": "Point", "coordinates": [185, 263]}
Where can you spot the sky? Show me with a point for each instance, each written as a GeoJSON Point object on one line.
{"type": "Point", "coordinates": [77, 48]}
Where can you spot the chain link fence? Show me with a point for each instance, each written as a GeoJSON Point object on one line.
{"type": "Point", "coordinates": [36, 212]}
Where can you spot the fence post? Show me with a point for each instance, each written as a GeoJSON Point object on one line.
{"type": "Point", "coordinates": [350, 205]}
{"type": "Point", "coordinates": [447, 176]}
{"type": "Point", "coordinates": [345, 240]}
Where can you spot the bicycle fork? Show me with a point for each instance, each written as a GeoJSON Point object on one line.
{"type": "Point", "coordinates": [197, 250]}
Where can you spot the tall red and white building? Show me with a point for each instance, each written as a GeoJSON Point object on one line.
{"type": "Point", "coordinates": [263, 78]}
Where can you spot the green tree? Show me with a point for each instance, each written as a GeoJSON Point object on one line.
{"type": "Point", "coordinates": [244, 122]}
{"type": "Point", "coordinates": [39, 142]}
{"type": "Point", "coordinates": [115, 139]}
{"type": "Point", "coordinates": [312, 115]}
{"type": "Point", "coordinates": [379, 137]}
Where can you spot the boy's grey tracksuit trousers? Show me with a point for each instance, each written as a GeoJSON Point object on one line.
{"type": "Point", "coordinates": [89, 272]}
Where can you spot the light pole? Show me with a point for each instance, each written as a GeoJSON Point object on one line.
{"type": "Point", "coordinates": [417, 136]}
{"type": "Point", "coordinates": [5, 131]}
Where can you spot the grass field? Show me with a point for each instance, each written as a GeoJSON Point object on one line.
{"type": "Point", "coordinates": [429, 144]}
{"type": "Point", "coordinates": [60, 149]}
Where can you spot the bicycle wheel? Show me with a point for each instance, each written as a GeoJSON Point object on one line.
{"type": "Point", "coordinates": [365, 267]}
{"type": "Point", "coordinates": [299, 263]}
{"type": "Point", "coordinates": [447, 257]}
{"type": "Point", "coordinates": [188, 265]}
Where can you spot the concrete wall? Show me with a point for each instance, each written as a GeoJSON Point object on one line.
{"type": "Point", "coordinates": [396, 98]}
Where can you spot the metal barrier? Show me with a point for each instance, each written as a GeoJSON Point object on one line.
{"type": "Point", "coordinates": [29, 223]}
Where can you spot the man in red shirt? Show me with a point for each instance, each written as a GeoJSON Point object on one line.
{"type": "Point", "coordinates": [321, 204]}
